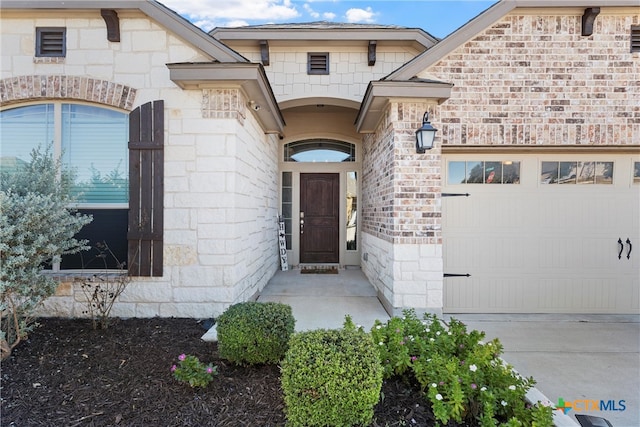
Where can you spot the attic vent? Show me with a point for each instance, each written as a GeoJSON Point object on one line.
{"type": "Point", "coordinates": [51, 41]}
{"type": "Point", "coordinates": [318, 63]}
{"type": "Point", "coordinates": [635, 38]}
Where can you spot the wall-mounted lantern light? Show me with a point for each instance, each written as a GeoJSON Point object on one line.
{"type": "Point", "coordinates": [425, 135]}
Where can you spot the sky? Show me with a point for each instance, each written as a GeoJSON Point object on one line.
{"type": "Point", "coordinates": [437, 17]}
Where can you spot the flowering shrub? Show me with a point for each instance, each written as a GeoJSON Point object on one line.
{"type": "Point", "coordinates": [463, 377]}
{"type": "Point", "coordinates": [192, 371]}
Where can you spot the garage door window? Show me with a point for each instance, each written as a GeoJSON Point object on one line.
{"type": "Point", "coordinates": [576, 173]}
{"type": "Point", "coordinates": [483, 172]}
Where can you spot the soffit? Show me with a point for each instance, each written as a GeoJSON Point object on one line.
{"type": "Point", "coordinates": [380, 93]}
{"type": "Point", "coordinates": [249, 77]}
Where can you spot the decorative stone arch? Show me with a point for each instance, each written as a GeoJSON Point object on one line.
{"type": "Point", "coordinates": [40, 87]}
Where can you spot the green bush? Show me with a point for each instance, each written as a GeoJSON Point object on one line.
{"type": "Point", "coordinates": [252, 332]}
{"type": "Point", "coordinates": [461, 375]}
{"type": "Point", "coordinates": [331, 378]}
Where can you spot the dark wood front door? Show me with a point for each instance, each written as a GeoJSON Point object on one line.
{"type": "Point", "coordinates": [319, 215]}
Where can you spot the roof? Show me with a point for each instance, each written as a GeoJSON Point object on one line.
{"type": "Point", "coordinates": [326, 31]}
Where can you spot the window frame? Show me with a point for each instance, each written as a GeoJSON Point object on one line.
{"type": "Point", "coordinates": [57, 145]}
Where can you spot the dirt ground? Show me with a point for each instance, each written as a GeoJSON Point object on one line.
{"type": "Point", "coordinates": [67, 374]}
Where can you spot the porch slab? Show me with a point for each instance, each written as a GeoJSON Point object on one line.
{"type": "Point", "coordinates": [321, 301]}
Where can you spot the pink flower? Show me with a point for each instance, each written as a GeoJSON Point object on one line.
{"type": "Point", "coordinates": [173, 368]}
{"type": "Point", "coordinates": [182, 357]}
{"type": "Point", "coordinates": [209, 370]}
{"type": "Point", "coordinates": [473, 386]}
{"type": "Point", "coordinates": [414, 358]}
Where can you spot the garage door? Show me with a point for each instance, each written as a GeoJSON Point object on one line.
{"type": "Point", "coordinates": [543, 234]}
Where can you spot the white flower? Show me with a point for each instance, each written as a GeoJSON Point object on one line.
{"type": "Point", "coordinates": [428, 330]}
{"type": "Point", "coordinates": [483, 389]}
{"type": "Point", "coordinates": [503, 403]}
{"type": "Point", "coordinates": [512, 387]}
{"type": "Point", "coordinates": [438, 333]}
{"type": "Point", "coordinates": [380, 343]}
{"type": "Point", "coordinates": [378, 327]}
{"type": "Point", "coordinates": [449, 333]}
{"type": "Point", "coordinates": [473, 368]}
{"type": "Point", "coordinates": [438, 396]}
{"type": "Point", "coordinates": [434, 385]}
{"type": "Point", "coordinates": [432, 339]}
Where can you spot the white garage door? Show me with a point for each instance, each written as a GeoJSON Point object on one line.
{"type": "Point", "coordinates": [541, 234]}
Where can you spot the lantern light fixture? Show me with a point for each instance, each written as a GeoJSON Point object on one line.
{"type": "Point", "coordinates": [425, 135]}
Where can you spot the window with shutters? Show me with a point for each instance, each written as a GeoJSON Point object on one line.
{"type": "Point", "coordinates": [51, 41]}
{"type": "Point", "coordinates": [635, 38]}
{"type": "Point", "coordinates": [318, 63]}
{"type": "Point", "coordinates": [92, 143]}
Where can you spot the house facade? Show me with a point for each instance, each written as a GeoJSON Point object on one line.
{"type": "Point", "coordinates": [189, 148]}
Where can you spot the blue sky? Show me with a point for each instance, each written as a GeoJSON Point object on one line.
{"type": "Point", "coordinates": [438, 17]}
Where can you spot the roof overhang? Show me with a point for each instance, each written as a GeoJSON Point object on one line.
{"type": "Point", "coordinates": [164, 16]}
{"type": "Point", "coordinates": [249, 77]}
{"type": "Point", "coordinates": [247, 35]}
{"type": "Point", "coordinates": [380, 93]}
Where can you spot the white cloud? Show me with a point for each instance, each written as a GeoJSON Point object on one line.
{"type": "Point", "coordinates": [208, 14]}
{"type": "Point", "coordinates": [311, 12]}
{"type": "Point", "coordinates": [329, 16]}
{"type": "Point", "coordinates": [360, 15]}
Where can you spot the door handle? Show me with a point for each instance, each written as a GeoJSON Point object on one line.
{"type": "Point", "coordinates": [621, 247]}
{"type": "Point", "coordinates": [630, 248]}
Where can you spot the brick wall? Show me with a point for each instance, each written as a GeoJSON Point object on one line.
{"type": "Point", "coordinates": [401, 212]}
{"type": "Point", "coordinates": [535, 80]}
{"type": "Point", "coordinates": [401, 189]}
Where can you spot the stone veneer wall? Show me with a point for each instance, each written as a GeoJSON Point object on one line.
{"type": "Point", "coordinates": [401, 218]}
{"type": "Point", "coordinates": [349, 75]}
{"type": "Point", "coordinates": [533, 79]}
{"type": "Point", "coordinates": [221, 192]}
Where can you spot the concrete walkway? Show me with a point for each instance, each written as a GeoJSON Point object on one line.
{"type": "Point", "coordinates": [574, 357]}
{"type": "Point", "coordinates": [323, 300]}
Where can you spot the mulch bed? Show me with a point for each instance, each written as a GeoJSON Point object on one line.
{"type": "Point", "coordinates": [67, 374]}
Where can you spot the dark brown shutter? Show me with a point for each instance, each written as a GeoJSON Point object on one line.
{"type": "Point", "coordinates": [146, 189]}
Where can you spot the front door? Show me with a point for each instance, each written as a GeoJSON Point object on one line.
{"type": "Point", "coordinates": [319, 217]}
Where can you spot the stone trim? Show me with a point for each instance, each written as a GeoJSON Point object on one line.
{"type": "Point", "coordinates": [224, 104]}
{"type": "Point", "coordinates": [38, 87]}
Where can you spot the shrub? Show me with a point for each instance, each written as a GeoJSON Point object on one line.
{"type": "Point", "coordinates": [463, 377]}
{"type": "Point", "coordinates": [101, 289]}
{"type": "Point", "coordinates": [252, 332]}
{"type": "Point", "coordinates": [36, 227]}
{"type": "Point", "coordinates": [331, 378]}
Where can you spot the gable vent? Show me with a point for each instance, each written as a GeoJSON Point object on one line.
{"type": "Point", "coordinates": [635, 38]}
{"type": "Point", "coordinates": [318, 63]}
{"type": "Point", "coordinates": [51, 42]}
